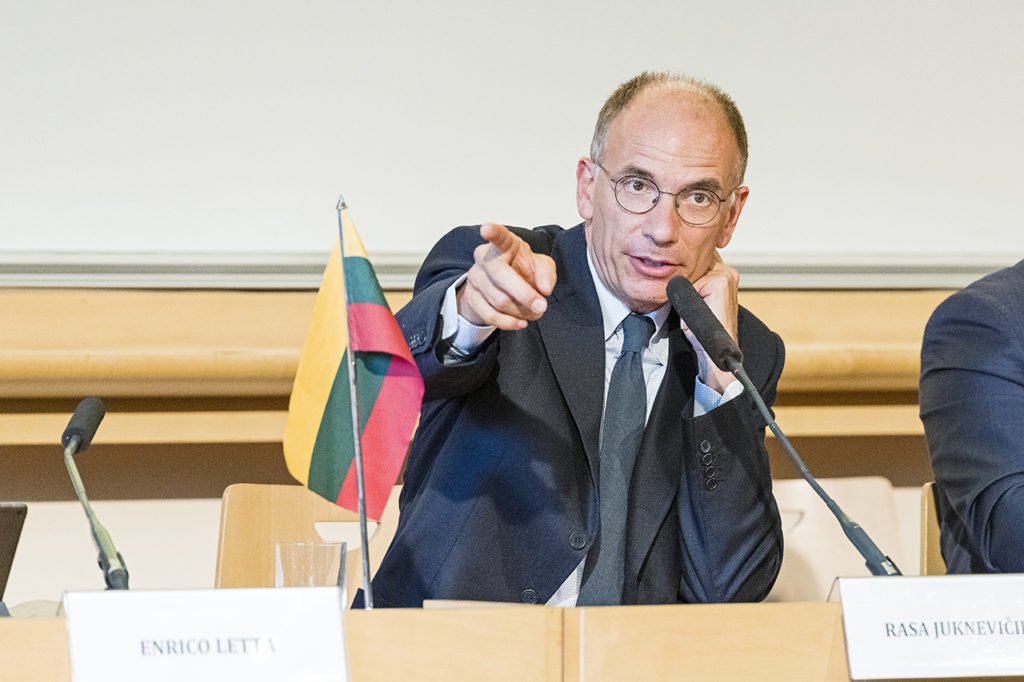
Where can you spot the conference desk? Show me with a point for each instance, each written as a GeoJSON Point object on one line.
{"type": "Point", "coordinates": [734, 642]}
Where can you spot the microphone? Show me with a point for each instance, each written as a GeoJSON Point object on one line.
{"type": "Point", "coordinates": [726, 355]}
{"type": "Point", "coordinates": [84, 423]}
{"type": "Point", "coordinates": [77, 437]}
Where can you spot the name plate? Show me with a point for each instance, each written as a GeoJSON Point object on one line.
{"type": "Point", "coordinates": [290, 633]}
{"type": "Point", "coordinates": [943, 626]}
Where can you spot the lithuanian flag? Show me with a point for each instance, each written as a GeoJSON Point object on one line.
{"type": "Point", "coordinates": [318, 441]}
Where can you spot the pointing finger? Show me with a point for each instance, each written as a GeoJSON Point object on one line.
{"type": "Point", "coordinates": [506, 245]}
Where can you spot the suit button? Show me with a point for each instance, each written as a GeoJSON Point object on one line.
{"type": "Point", "coordinates": [577, 540]}
{"type": "Point", "coordinates": [711, 484]}
{"type": "Point", "coordinates": [707, 460]}
{"type": "Point", "coordinates": [710, 472]}
{"type": "Point", "coordinates": [705, 447]}
{"type": "Point", "coordinates": [529, 597]}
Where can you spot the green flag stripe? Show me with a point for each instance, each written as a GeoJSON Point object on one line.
{"type": "Point", "coordinates": [333, 450]}
{"type": "Point", "coordinates": [361, 282]}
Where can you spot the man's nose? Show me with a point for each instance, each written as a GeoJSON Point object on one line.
{"type": "Point", "coordinates": [663, 222]}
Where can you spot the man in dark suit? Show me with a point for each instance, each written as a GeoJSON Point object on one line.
{"type": "Point", "coordinates": [522, 483]}
{"type": "Point", "coordinates": [972, 406]}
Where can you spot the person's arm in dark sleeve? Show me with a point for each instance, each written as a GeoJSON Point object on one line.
{"type": "Point", "coordinates": [422, 324]}
{"type": "Point", "coordinates": [506, 281]}
{"type": "Point", "coordinates": [1006, 530]}
{"type": "Point", "coordinates": [972, 406]}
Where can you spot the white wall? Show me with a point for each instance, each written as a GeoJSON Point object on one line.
{"type": "Point", "coordinates": [876, 127]}
{"type": "Point", "coordinates": [165, 544]}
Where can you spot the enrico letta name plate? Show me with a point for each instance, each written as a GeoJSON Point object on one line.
{"type": "Point", "coordinates": [198, 635]}
{"type": "Point", "coordinates": [245, 646]}
{"type": "Point", "coordinates": [958, 626]}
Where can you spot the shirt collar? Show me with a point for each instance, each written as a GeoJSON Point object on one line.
{"type": "Point", "coordinates": [613, 311]}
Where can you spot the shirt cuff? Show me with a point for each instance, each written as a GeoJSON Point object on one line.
{"type": "Point", "coordinates": [462, 336]}
{"type": "Point", "coordinates": [706, 398]}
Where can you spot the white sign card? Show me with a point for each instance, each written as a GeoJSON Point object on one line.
{"type": "Point", "coordinates": [290, 633]}
{"type": "Point", "coordinates": [965, 626]}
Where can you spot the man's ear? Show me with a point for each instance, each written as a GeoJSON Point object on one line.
{"type": "Point", "coordinates": [585, 176]}
{"type": "Point", "coordinates": [736, 207]}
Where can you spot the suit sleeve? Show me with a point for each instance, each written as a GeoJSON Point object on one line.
{"type": "Point", "coordinates": [972, 406]}
{"type": "Point", "coordinates": [731, 533]}
{"type": "Point", "coordinates": [420, 319]}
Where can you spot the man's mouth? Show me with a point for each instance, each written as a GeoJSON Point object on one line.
{"type": "Point", "coordinates": [652, 267]}
{"type": "Point", "coordinates": [651, 261]}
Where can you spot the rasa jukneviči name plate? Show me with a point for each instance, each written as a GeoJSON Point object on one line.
{"type": "Point", "coordinates": [964, 626]}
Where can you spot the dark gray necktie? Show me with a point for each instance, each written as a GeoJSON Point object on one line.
{"type": "Point", "coordinates": [625, 413]}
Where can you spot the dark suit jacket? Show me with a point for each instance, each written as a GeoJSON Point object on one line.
{"type": "Point", "coordinates": [500, 500]}
{"type": "Point", "coordinates": [972, 406]}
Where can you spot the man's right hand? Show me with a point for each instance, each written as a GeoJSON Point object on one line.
{"type": "Point", "coordinates": [508, 283]}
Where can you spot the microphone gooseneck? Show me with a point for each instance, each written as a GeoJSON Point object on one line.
{"type": "Point", "coordinates": [77, 438]}
{"type": "Point", "coordinates": [725, 353]}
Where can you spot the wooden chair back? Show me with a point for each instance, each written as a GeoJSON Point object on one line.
{"type": "Point", "coordinates": [931, 551]}
{"type": "Point", "coordinates": [254, 517]}
{"type": "Point", "coordinates": [816, 550]}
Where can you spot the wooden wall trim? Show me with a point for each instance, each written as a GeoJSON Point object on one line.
{"type": "Point", "coordinates": [163, 343]}
{"type": "Point", "coordinates": [217, 366]}
{"type": "Point", "coordinates": [184, 427]}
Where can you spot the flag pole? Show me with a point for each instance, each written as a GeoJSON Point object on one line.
{"type": "Point", "coordinates": [354, 400]}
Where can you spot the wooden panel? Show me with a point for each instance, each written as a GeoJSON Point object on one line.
{"type": "Point", "coordinates": [516, 644]}
{"type": "Point", "coordinates": [267, 426]}
{"type": "Point", "coordinates": [848, 340]}
{"type": "Point", "coordinates": [62, 342]}
{"type": "Point", "coordinates": [764, 642]}
{"type": "Point", "coordinates": [849, 420]}
{"type": "Point", "coordinates": [128, 336]}
{"type": "Point", "coordinates": [34, 650]}
{"type": "Point", "coordinates": [216, 367]}
{"type": "Point", "coordinates": [150, 428]}
{"type": "Point", "coordinates": [522, 643]}
{"type": "Point", "coordinates": [151, 343]}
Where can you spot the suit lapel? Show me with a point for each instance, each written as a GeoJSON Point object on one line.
{"type": "Point", "coordinates": [573, 335]}
{"type": "Point", "coordinates": [656, 475]}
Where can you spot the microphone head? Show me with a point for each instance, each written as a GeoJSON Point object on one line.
{"type": "Point", "coordinates": [692, 309]}
{"type": "Point", "coordinates": [84, 422]}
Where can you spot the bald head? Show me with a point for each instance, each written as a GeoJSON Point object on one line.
{"type": "Point", "coordinates": [653, 82]}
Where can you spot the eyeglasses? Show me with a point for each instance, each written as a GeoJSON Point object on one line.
{"type": "Point", "coordinates": [639, 195]}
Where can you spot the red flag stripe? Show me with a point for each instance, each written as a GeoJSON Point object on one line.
{"type": "Point", "coordinates": [402, 387]}
{"type": "Point", "coordinates": [373, 329]}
